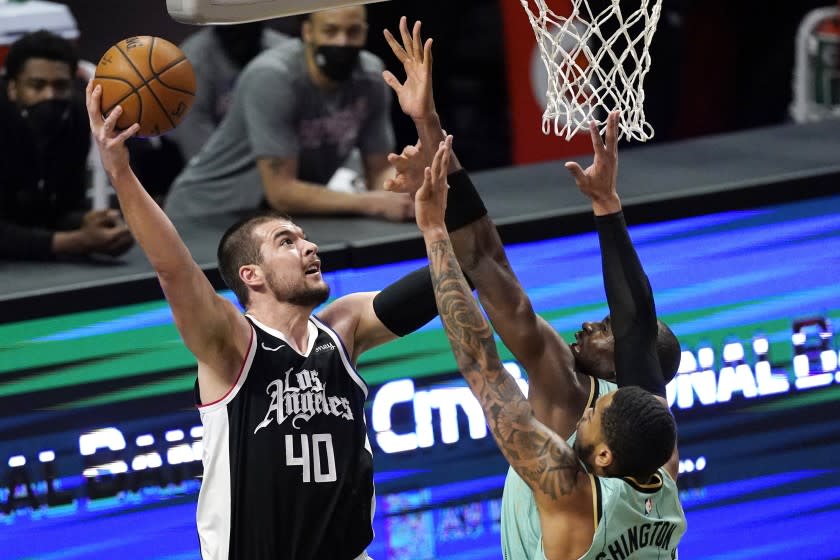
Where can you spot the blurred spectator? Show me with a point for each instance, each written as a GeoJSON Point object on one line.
{"type": "Point", "coordinates": [44, 142]}
{"type": "Point", "coordinates": [218, 54]}
{"type": "Point", "coordinates": [298, 112]}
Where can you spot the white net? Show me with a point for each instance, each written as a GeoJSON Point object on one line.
{"type": "Point", "coordinates": [596, 59]}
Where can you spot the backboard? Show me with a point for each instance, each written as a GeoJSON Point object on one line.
{"type": "Point", "coordinates": [205, 12]}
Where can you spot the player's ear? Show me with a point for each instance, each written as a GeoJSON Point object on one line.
{"type": "Point", "coordinates": [603, 456]}
{"type": "Point", "coordinates": [251, 275]}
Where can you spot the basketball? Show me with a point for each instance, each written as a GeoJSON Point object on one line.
{"type": "Point", "coordinates": [153, 81]}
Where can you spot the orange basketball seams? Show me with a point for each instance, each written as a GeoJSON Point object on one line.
{"type": "Point", "coordinates": [151, 79]}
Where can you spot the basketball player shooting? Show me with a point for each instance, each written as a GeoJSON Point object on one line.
{"type": "Point", "coordinates": [287, 464]}
{"type": "Point", "coordinates": [559, 391]}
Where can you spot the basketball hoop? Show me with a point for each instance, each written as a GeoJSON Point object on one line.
{"type": "Point", "coordinates": [204, 12]}
{"type": "Point", "coordinates": [596, 63]}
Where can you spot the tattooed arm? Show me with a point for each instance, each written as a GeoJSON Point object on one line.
{"type": "Point", "coordinates": [546, 463]}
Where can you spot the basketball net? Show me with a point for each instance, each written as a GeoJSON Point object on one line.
{"type": "Point", "coordinates": [596, 63]}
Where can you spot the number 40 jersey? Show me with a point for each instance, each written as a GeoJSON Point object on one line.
{"type": "Point", "coordinates": [288, 470]}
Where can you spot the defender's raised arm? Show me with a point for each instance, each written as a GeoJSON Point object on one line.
{"type": "Point", "coordinates": [539, 455]}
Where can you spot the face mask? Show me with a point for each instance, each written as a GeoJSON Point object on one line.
{"type": "Point", "coordinates": [337, 62]}
{"type": "Point", "coordinates": [47, 119]}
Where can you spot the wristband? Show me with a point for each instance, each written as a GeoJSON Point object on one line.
{"type": "Point", "coordinates": [464, 205]}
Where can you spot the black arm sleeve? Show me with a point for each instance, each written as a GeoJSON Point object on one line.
{"type": "Point", "coordinates": [464, 204]}
{"type": "Point", "coordinates": [407, 304]}
{"type": "Point", "coordinates": [24, 243]}
{"type": "Point", "coordinates": [632, 310]}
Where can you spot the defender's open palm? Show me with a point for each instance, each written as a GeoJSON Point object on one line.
{"type": "Point", "coordinates": [109, 140]}
{"type": "Point", "coordinates": [415, 94]}
{"type": "Point", "coordinates": [430, 200]}
{"type": "Point", "coordinates": [598, 181]}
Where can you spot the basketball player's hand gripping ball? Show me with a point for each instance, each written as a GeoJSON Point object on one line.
{"type": "Point", "coordinates": [153, 81]}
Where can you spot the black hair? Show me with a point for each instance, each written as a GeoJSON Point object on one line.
{"type": "Point", "coordinates": [640, 431]}
{"type": "Point", "coordinates": [668, 351]}
{"type": "Point", "coordinates": [238, 248]}
{"type": "Point", "coordinates": [40, 44]}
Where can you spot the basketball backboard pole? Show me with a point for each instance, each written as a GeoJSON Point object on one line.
{"type": "Point", "coordinates": [209, 12]}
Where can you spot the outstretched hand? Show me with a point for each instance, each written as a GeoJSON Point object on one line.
{"type": "Point", "coordinates": [415, 94]}
{"type": "Point", "coordinates": [109, 140]}
{"type": "Point", "coordinates": [430, 200]}
{"type": "Point", "coordinates": [598, 181]}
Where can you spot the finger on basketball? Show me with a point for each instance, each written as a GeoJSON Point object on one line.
{"type": "Point", "coordinates": [128, 132]}
{"type": "Point", "coordinates": [111, 119]}
{"type": "Point", "coordinates": [92, 95]}
{"type": "Point", "coordinates": [395, 46]}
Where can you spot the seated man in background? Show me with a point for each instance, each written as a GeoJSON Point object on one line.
{"type": "Point", "coordinates": [44, 142]}
{"type": "Point", "coordinates": [218, 53]}
{"type": "Point", "coordinates": [298, 111]}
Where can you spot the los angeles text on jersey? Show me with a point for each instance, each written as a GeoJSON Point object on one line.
{"type": "Point", "coordinates": [301, 400]}
{"type": "Point", "coordinates": [656, 534]}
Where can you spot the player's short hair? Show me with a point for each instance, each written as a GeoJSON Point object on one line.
{"type": "Point", "coordinates": [668, 350]}
{"type": "Point", "coordinates": [640, 432]}
{"type": "Point", "coordinates": [238, 248]}
{"type": "Point", "coordinates": [40, 44]}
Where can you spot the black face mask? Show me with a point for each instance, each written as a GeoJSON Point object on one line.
{"type": "Point", "coordinates": [47, 119]}
{"type": "Point", "coordinates": [337, 62]}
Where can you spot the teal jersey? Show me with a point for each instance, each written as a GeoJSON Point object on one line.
{"type": "Point", "coordinates": [521, 531]}
{"type": "Point", "coordinates": [638, 522]}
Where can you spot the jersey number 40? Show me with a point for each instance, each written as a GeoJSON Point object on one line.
{"type": "Point", "coordinates": [311, 462]}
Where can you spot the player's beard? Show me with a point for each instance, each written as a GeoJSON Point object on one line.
{"type": "Point", "coordinates": [311, 296]}
{"type": "Point", "coordinates": [302, 294]}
